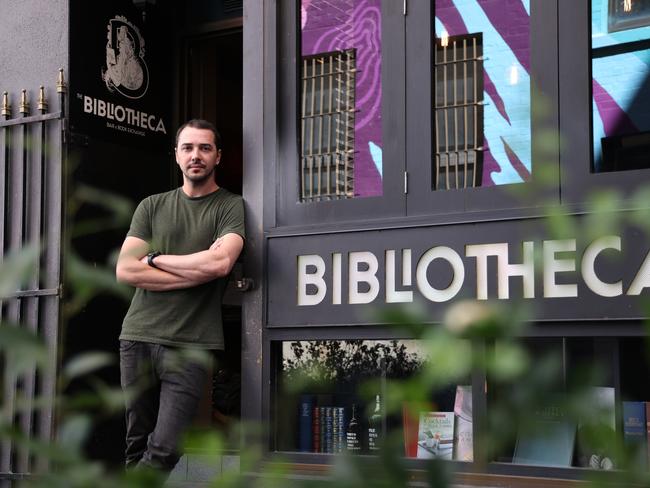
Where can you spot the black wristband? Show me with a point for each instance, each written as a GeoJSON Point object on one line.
{"type": "Point", "coordinates": [150, 258]}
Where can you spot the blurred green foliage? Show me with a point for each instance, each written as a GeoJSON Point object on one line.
{"type": "Point", "coordinates": [474, 338]}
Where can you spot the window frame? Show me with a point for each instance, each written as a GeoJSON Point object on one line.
{"type": "Point", "coordinates": [408, 125]}
{"type": "Point", "coordinates": [576, 115]}
{"type": "Point", "coordinates": [421, 199]}
{"type": "Point", "coordinates": [292, 212]}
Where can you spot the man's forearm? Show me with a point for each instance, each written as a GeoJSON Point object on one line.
{"type": "Point", "coordinates": [140, 275]}
{"type": "Point", "coordinates": [200, 267]}
{"type": "Point", "coordinates": [160, 280]}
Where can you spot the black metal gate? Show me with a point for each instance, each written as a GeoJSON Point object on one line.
{"type": "Point", "coordinates": [31, 196]}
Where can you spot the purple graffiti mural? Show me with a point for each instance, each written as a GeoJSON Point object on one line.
{"type": "Point", "coordinates": [336, 25]}
{"type": "Point", "coordinates": [515, 161]}
{"type": "Point", "coordinates": [514, 27]}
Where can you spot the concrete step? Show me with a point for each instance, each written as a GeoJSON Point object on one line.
{"type": "Point", "coordinates": [197, 469]}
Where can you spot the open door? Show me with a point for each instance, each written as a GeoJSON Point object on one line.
{"type": "Point", "coordinates": [211, 89]}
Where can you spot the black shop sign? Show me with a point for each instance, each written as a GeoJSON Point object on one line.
{"type": "Point", "coordinates": [120, 89]}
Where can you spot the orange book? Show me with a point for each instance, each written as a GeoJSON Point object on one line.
{"type": "Point", "coordinates": [410, 426]}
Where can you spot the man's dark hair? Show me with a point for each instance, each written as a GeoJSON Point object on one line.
{"type": "Point", "coordinates": [201, 124]}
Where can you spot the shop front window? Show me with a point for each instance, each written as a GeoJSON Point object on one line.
{"type": "Point", "coordinates": [620, 53]}
{"type": "Point", "coordinates": [340, 98]}
{"type": "Point", "coordinates": [482, 108]}
{"type": "Point", "coordinates": [320, 407]}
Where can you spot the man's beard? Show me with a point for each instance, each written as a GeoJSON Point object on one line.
{"type": "Point", "coordinates": [200, 178]}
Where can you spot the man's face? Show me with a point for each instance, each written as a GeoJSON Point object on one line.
{"type": "Point", "coordinates": [196, 154]}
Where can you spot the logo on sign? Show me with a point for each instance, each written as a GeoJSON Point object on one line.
{"type": "Point", "coordinates": [125, 71]}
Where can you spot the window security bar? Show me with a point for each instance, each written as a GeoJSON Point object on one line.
{"type": "Point", "coordinates": [458, 112]}
{"type": "Point", "coordinates": [327, 126]}
{"type": "Point", "coordinates": [452, 61]}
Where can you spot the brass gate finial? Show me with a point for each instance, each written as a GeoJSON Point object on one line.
{"type": "Point", "coordinates": [6, 108]}
{"type": "Point", "coordinates": [42, 102]}
{"type": "Point", "coordinates": [61, 87]}
{"type": "Point", "coordinates": [23, 108]}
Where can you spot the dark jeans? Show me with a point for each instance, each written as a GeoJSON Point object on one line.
{"type": "Point", "coordinates": [163, 393]}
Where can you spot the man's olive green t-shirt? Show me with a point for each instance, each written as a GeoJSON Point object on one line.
{"type": "Point", "coordinates": [174, 223]}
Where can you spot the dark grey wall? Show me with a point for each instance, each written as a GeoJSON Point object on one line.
{"type": "Point", "coordinates": [33, 46]}
{"type": "Point", "coordinates": [253, 360]}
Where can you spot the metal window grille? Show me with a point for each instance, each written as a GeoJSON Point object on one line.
{"type": "Point", "coordinates": [327, 126]}
{"type": "Point", "coordinates": [31, 203]}
{"type": "Point", "coordinates": [458, 112]}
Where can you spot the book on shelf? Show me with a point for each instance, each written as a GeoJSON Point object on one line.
{"type": "Point", "coordinates": [305, 428]}
{"type": "Point", "coordinates": [316, 430]}
{"type": "Point", "coordinates": [635, 430]}
{"type": "Point", "coordinates": [435, 435]}
{"type": "Point", "coordinates": [341, 438]}
{"type": "Point", "coordinates": [322, 427]}
{"type": "Point", "coordinates": [335, 429]}
{"type": "Point", "coordinates": [463, 431]}
{"type": "Point", "coordinates": [462, 445]}
{"type": "Point", "coordinates": [329, 424]}
{"type": "Point", "coordinates": [410, 421]}
{"type": "Point", "coordinates": [547, 438]}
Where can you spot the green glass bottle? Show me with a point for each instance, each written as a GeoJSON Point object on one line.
{"type": "Point", "coordinates": [375, 427]}
{"type": "Point", "coordinates": [353, 434]}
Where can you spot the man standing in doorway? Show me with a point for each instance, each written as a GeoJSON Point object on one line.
{"type": "Point", "coordinates": [178, 253]}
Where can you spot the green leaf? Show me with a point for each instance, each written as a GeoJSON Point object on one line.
{"type": "Point", "coordinates": [112, 399]}
{"type": "Point", "coordinates": [120, 207]}
{"type": "Point", "coordinates": [17, 268]}
{"type": "Point", "coordinates": [74, 432]}
{"type": "Point", "coordinates": [88, 281]}
{"type": "Point", "coordinates": [640, 214]}
{"type": "Point", "coordinates": [87, 363]}
{"type": "Point", "coordinates": [560, 225]}
{"type": "Point", "coordinates": [24, 350]}
{"type": "Point", "coordinates": [209, 442]}
{"type": "Point", "coordinates": [510, 361]}
{"type": "Point", "coordinates": [604, 218]}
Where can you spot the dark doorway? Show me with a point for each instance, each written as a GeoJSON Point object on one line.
{"type": "Point", "coordinates": [211, 89]}
{"type": "Point", "coordinates": [209, 86]}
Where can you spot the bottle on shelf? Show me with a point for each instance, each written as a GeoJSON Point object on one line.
{"type": "Point", "coordinates": [353, 434]}
{"type": "Point", "coordinates": [375, 427]}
